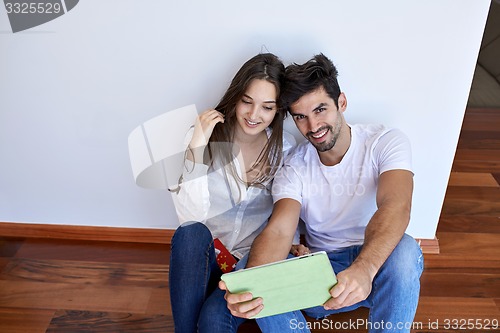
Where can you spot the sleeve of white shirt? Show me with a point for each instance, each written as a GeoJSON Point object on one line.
{"type": "Point", "coordinates": [287, 183]}
{"type": "Point", "coordinates": [193, 196]}
{"type": "Point", "coordinates": [289, 143]}
{"type": "Point", "coordinates": [392, 151]}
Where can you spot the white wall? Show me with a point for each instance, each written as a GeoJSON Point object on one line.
{"type": "Point", "coordinates": [72, 90]}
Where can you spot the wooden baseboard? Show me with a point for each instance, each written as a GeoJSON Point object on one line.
{"type": "Point", "coordinates": [133, 235]}
{"type": "Point", "coordinates": [429, 246]}
{"type": "Point", "coordinates": [113, 234]}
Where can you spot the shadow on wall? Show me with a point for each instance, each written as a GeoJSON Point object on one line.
{"type": "Point", "coordinates": [485, 90]}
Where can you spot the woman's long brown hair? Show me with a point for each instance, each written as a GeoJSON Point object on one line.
{"type": "Point", "coordinates": [265, 66]}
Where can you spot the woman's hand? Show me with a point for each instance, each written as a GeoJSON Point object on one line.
{"type": "Point", "coordinates": [299, 250]}
{"type": "Point", "coordinates": [204, 127]}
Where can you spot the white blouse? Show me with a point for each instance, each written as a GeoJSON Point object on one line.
{"type": "Point", "coordinates": [232, 212]}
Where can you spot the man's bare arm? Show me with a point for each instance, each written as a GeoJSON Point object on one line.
{"type": "Point", "coordinates": [383, 233]}
{"type": "Point", "coordinates": [388, 224]}
{"type": "Point", "coordinates": [275, 240]}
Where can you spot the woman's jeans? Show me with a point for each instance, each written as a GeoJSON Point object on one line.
{"type": "Point", "coordinates": [198, 305]}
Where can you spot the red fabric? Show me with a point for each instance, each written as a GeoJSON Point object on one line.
{"type": "Point", "coordinates": [225, 259]}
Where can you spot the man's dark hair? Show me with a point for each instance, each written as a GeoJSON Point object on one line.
{"type": "Point", "coordinates": [303, 79]}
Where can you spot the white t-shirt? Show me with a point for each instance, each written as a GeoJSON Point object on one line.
{"type": "Point", "coordinates": [338, 201]}
{"type": "Point", "coordinates": [232, 212]}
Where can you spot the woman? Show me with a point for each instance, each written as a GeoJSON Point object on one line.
{"type": "Point", "coordinates": [233, 153]}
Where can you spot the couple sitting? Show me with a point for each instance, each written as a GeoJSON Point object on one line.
{"type": "Point", "coordinates": [246, 184]}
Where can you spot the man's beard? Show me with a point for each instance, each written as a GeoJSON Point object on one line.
{"type": "Point", "coordinates": [326, 146]}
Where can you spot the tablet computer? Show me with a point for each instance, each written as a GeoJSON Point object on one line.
{"type": "Point", "coordinates": [287, 285]}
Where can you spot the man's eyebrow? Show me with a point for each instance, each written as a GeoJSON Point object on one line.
{"type": "Point", "coordinates": [250, 97]}
{"type": "Point", "coordinates": [321, 105]}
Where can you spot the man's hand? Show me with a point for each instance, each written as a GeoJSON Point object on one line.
{"type": "Point", "coordinates": [242, 305]}
{"type": "Point", "coordinates": [299, 250]}
{"type": "Point", "coordinates": [353, 285]}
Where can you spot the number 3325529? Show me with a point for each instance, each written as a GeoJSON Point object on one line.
{"type": "Point", "coordinates": [471, 324]}
{"type": "Point", "coordinates": [33, 8]}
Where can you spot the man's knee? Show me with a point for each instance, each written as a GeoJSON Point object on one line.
{"type": "Point", "coordinates": [406, 261]}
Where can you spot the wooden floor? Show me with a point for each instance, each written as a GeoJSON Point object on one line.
{"type": "Point", "coordinates": [78, 286]}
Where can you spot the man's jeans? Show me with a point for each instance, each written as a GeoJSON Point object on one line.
{"type": "Point", "coordinates": [198, 305]}
{"type": "Point", "coordinates": [394, 296]}
{"type": "Point", "coordinates": [194, 294]}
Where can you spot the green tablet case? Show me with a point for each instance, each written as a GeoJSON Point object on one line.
{"type": "Point", "coordinates": [287, 285]}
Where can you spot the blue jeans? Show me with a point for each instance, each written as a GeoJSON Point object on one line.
{"type": "Point", "coordinates": [198, 305]}
{"type": "Point", "coordinates": [395, 290]}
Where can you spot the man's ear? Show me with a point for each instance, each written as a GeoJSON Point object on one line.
{"type": "Point", "coordinates": [342, 102]}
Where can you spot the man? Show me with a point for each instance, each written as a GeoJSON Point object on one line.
{"type": "Point", "coordinates": [352, 186]}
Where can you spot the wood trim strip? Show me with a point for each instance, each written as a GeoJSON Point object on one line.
{"type": "Point", "coordinates": [429, 246]}
{"type": "Point", "coordinates": [115, 234]}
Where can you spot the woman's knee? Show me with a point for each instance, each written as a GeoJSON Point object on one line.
{"type": "Point", "coordinates": [191, 234]}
